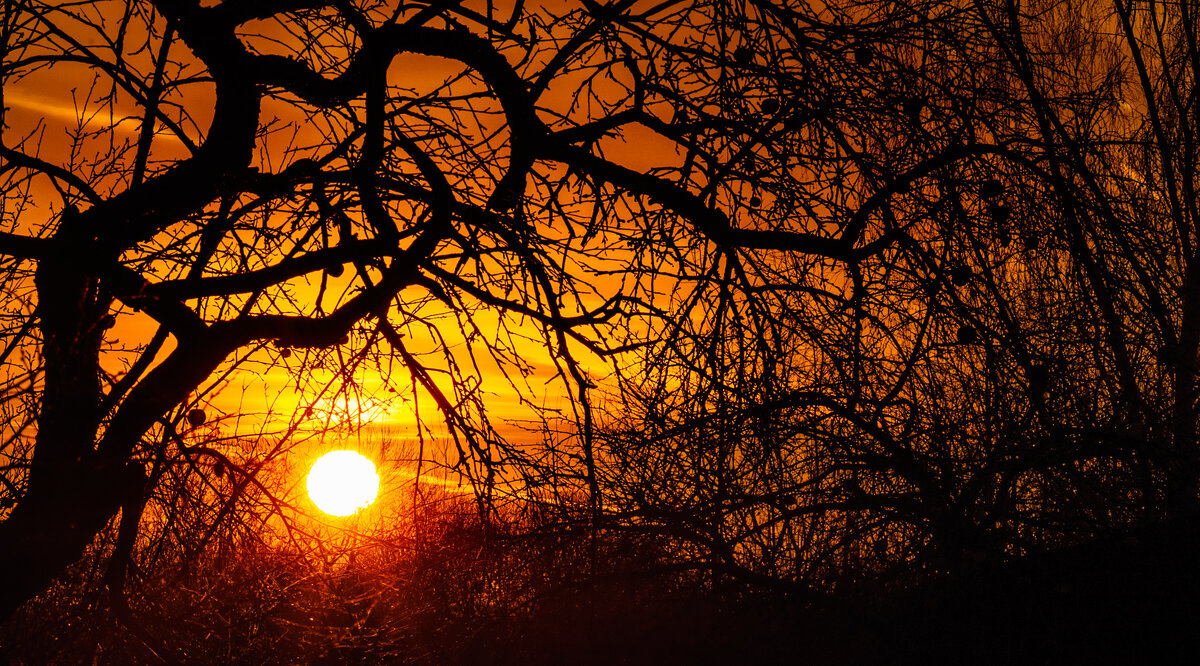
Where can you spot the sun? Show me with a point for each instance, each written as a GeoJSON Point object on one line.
{"type": "Point", "coordinates": [342, 482]}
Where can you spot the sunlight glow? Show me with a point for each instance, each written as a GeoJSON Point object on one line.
{"type": "Point", "coordinates": [342, 482]}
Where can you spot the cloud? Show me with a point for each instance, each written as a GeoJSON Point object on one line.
{"type": "Point", "coordinates": [69, 114]}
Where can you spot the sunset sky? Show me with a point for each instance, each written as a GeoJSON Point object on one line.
{"type": "Point", "coordinates": [48, 108]}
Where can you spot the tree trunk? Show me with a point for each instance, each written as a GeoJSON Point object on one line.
{"type": "Point", "coordinates": [50, 529]}
{"type": "Point", "coordinates": [69, 495]}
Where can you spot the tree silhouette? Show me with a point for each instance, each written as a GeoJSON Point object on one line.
{"type": "Point", "coordinates": [881, 289]}
{"type": "Point", "coordinates": [1010, 371]}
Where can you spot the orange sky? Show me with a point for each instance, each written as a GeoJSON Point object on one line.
{"type": "Point", "coordinates": [267, 395]}
{"type": "Point", "coordinates": [52, 103]}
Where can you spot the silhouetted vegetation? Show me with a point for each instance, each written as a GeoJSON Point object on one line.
{"type": "Point", "coordinates": [838, 330]}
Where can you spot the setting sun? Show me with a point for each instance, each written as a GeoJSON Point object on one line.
{"type": "Point", "coordinates": [342, 482]}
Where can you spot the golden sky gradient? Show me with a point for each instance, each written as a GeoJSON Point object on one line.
{"type": "Point", "coordinates": [51, 108]}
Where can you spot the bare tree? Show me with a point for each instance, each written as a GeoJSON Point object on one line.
{"type": "Point", "coordinates": [328, 208]}
{"type": "Point", "coordinates": [879, 288]}
{"type": "Point", "coordinates": [1003, 364]}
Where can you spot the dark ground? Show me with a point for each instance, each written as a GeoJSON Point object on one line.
{"type": "Point", "coordinates": [1122, 601]}
{"type": "Point", "coordinates": [1131, 601]}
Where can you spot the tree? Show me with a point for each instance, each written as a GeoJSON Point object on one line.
{"type": "Point", "coordinates": [490, 190]}
{"type": "Point", "coordinates": [786, 230]}
{"type": "Point", "coordinates": [1013, 372]}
